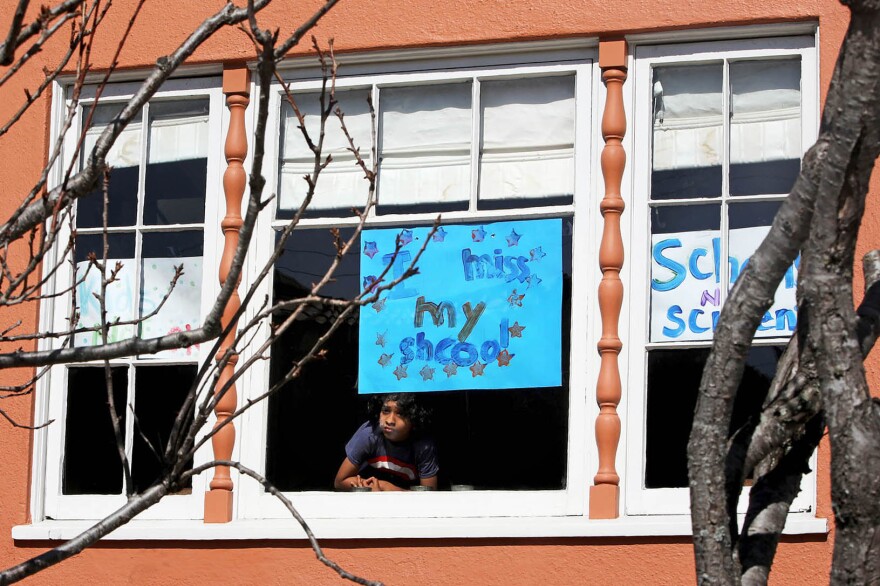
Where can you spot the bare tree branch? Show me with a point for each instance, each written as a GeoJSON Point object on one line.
{"type": "Point", "coordinates": [273, 490]}
{"type": "Point", "coordinates": [7, 49]}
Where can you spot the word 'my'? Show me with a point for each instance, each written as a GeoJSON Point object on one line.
{"type": "Point", "coordinates": [458, 349]}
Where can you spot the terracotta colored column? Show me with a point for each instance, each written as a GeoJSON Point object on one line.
{"type": "Point", "coordinates": [605, 492]}
{"type": "Point", "coordinates": [236, 87]}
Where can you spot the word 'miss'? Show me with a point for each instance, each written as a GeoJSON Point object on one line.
{"type": "Point", "coordinates": [457, 349]}
{"type": "Point", "coordinates": [502, 267]}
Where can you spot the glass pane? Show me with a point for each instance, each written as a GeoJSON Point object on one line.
{"type": "Point", "coordinates": [162, 252]}
{"type": "Point", "coordinates": [425, 152]}
{"type": "Point", "coordinates": [119, 293]}
{"type": "Point", "coordinates": [685, 272]}
{"type": "Point", "coordinates": [91, 459]}
{"type": "Point", "coordinates": [305, 456]}
{"type": "Point", "coordinates": [527, 155]}
{"type": "Point", "coordinates": [673, 384]}
{"type": "Point", "coordinates": [765, 126]}
{"type": "Point", "coordinates": [177, 162]}
{"type": "Point", "coordinates": [478, 434]}
{"type": "Point", "coordinates": [123, 158]}
{"type": "Point", "coordinates": [341, 186]}
{"type": "Point", "coordinates": [749, 224]}
{"type": "Point", "coordinates": [160, 392]}
{"type": "Point", "coordinates": [687, 148]}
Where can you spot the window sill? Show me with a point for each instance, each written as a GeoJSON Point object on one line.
{"type": "Point", "coordinates": [505, 527]}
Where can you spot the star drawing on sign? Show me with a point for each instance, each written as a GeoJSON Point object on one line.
{"type": "Point", "coordinates": [477, 369]}
{"type": "Point", "coordinates": [384, 360]}
{"type": "Point", "coordinates": [370, 281]}
{"type": "Point", "coordinates": [450, 369]}
{"type": "Point", "coordinates": [379, 305]}
{"type": "Point", "coordinates": [537, 254]}
{"type": "Point", "coordinates": [380, 338]}
{"type": "Point", "coordinates": [533, 279]}
{"type": "Point", "coordinates": [478, 235]}
{"type": "Point", "coordinates": [427, 373]}
{"type": "Point", "coordinates": [516, 330]}
{"type": "Point", "coordinates": [504, 357]}
{"type": "Point", "coordinates": [400, 371]}
{"type": "Point", "coordinates": [515, 300]}
{"type": "Point", "coordinates": [439, 235]}
{"type": "Point", "coordinates": [513, 238]}
{"type": "Point", "coordinates": [370, 249]}
{"type": "Point", "coordinates": [405, 237]}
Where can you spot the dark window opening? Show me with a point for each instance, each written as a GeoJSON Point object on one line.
{"type": "Point", "coordinates": [91, 458]}
{"type": "Point", "coordinates": [673, 383]}
{"type": "Point", "coordinates": [511, 439]}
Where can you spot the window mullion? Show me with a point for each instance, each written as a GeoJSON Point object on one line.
{"type": "Point", "coordinates": [476, 136]}
{"type": "Point", "coordinates": [376, 146]}
{"type": "Point", "coordinates": [725, 180]}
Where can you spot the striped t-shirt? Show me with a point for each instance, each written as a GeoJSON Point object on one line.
{"type": "Point", "coordinates": [401, 463]}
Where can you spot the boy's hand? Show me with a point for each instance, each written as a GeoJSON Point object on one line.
{"type": "Point", "coordinates": [372, 483]}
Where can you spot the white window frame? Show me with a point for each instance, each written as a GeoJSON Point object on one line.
{"type": "Point", "coordinates": [47, 498]}
{"type": "Point", "coordinates": [253, 502]}
{"type": "Point", "coordinates": [672, 501]}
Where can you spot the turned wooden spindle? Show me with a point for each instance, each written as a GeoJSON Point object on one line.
{"type": "Point", "coordinates": [605, 492]}
{"type": "Point", "coordinates": [236, 87]}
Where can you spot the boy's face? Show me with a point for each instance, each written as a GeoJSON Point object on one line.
{"type": "Point", "coordinates": [394, 427]}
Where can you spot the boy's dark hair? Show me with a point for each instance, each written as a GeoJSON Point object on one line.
{"type": "Point", "coordinates": [408, 407]}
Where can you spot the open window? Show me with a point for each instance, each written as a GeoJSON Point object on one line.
{"type": "Point", "coordinates": [502, 154]}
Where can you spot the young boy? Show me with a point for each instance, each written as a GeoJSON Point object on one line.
{"type": "Point", "coordinates": [389, 452]}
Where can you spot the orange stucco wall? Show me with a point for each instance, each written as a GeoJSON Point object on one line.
{"type": "Point", "coordinates": [358, 26]}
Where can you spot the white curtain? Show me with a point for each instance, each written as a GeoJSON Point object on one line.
{"type": "Point", "coordinates": [426, 140]}
{"type": "Point", "coordinates": [342, 183]}
{"type": "Point", "coordinates": [687, 116]}
{"type": "Point", "coordinates": [528, 138]}
{"type": "Point", "coordinates": [126, 151]}
{"type": "Point", "coordinates": [765, 111]}
{"type": "Point", "coordinates": [764, 122]}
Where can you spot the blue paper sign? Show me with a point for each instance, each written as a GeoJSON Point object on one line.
{"type": "Point", "coordinates": [484, 311]}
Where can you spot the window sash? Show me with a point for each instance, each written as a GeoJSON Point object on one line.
{"type": "Point", "coordinates": [633, 364]}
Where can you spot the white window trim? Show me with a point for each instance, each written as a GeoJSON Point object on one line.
{"type": "Point", "coordinates": [47, 501]}
{"type": "Point", "coordinates": [639, 500]}
{"type": "Point", "coordinates": [253, 502]}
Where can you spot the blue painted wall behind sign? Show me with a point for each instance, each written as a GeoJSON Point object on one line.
{"type": "Point", "coordinates": [484, 312]}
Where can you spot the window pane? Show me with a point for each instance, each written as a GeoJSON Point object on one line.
{"type": "Point", "coordinates": [687, 148]}
{"type": "Point", "coordinates": [160, 392]}
{"type": "Point", "coordinates": [749, 224]}
{"type": "Point", "coordinates": [673, 385]}
{"type": "Point", "coordinates": [685, 272]}
{"type": "Point", "coordinates": [177, 164]}
{"type": "Point", "coordinates": [765, 126]}
{"type": "Point", "coordinates": [119, 293]}
{"type": "Point", "coordinates": [162, 252]}
{"type": "Point", "coordinates": [341, 186]}
{"type": "Point", "coordinates": [425, 152]}
{"type": "Point", "coordinates": [527, 155]}
{"type": "Point", "coordinates": [312, 417]}
{"type": "Point", "coordinates": [91, 459]}
{"type": "Point", "coordinates": [123, 158]}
